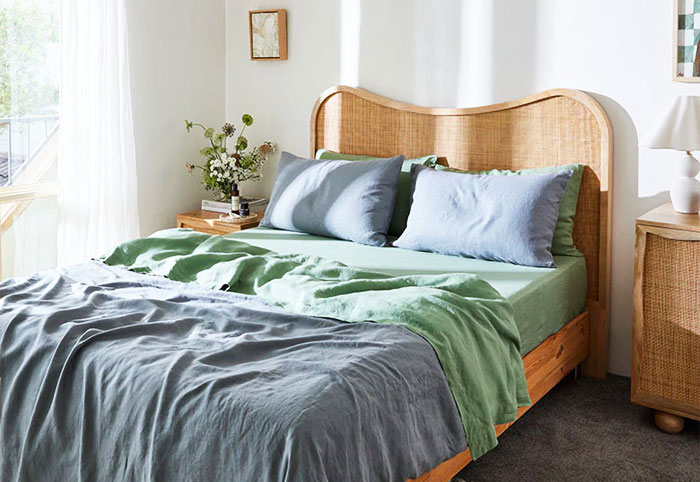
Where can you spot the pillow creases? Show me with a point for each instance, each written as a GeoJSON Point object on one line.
{"type": "Point", "coordinates": [500, 218]}
{"type": "Point", "coordinates": [563, 241]}
{"type": "Point", "coordinates": [403, 192]}
{"type": "Point", "coordinates": [334, 198]}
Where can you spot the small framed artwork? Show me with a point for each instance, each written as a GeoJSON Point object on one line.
{"type": "Point", "coordinates": [268, 34]}
{"type": "Point", "coordinates": [686, 34]}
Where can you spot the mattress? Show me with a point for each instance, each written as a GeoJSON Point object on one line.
{"type": "Point", "coordinates": [544, 299]}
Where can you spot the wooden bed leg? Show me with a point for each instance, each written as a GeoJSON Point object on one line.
{"type": "Point", "coordinates": [596, 365]}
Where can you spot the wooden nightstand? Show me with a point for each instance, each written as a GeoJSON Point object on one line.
{"type": "Point", "coordinates": [208, 222]}
{"type": "Point", "coordinates": [666, 349]}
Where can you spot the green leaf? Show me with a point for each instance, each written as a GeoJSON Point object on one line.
{"type": "Point", "coordinates": [247, 119]}
{"type": "Point", "coordinates": [209, 133]}
{"type": "Point", "coordinates": [26, 32]}
{"type": "Point", "coordinates": [242, 143]}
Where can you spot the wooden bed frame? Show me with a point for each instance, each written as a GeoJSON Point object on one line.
{"type": "Point", "coordinates": [550, 128]}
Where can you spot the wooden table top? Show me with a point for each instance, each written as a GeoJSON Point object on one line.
{"type": "Point", "coordinates": [665, 216]}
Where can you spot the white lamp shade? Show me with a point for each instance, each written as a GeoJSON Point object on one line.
{"type": "Point", "coordinates": [679, 127]}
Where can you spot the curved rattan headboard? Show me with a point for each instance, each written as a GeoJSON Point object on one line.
{"type": "Point", "coordinates": [550, 128]}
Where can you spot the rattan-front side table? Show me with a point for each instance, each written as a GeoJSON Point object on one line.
{"type": "Point", "coordinates": [666, 343]}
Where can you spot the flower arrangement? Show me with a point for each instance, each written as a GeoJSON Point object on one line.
{"type": "Point", "coordinates": [226, 166]}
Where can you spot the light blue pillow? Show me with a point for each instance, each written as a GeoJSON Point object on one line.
{"type": "Point", "coordinates": [339, 199]}
{"type": "Point", "coordinates": [403, 191]}
{"type": "Point", "coordinates": [500, 218]}
{"type": "Point", "coordinates": [563, 241]}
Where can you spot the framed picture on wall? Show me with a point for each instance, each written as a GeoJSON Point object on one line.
{"type": "Point", "coordinates": [686, 34]}
{"type": "Point", "coordinates": [268, 34]}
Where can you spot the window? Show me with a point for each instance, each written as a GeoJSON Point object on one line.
{"type": "Point", "coordinates": [29, 125]}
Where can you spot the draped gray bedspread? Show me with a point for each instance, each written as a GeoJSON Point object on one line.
{"type": "Point", "coordinates": [109, 375]}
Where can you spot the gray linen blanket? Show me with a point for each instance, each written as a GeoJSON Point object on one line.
{"type": "Point", "coordinates": [109, 375]}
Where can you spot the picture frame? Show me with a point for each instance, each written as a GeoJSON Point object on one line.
{"type": "Point", "coordinates": [686, 36]}
{"type": "Point", "coordinates": [268, 34]}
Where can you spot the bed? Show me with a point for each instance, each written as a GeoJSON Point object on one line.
{"type": "Point", "coordinates": [544, 299]}
{"type": "Point", "coordinates": [94, 344]}
{"type": "Point", "coordinates": [555, 127]}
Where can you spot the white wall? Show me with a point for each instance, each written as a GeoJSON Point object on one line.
{"type": "Point", "coordinates": [177, 53]}
{"type": "Point", "coordinates": [474, 52]}
{"type": "Point", "coordinates": [280, 94]}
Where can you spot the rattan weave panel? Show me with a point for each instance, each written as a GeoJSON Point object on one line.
{"type": "Point", "coordinates": [670, 366]}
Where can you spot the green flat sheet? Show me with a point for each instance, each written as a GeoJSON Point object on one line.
{"type": "Point", "coordinates": [543, 299]}
{"type": "Point", "coordinates": [466, 321]}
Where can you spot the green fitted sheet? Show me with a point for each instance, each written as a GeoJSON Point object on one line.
{"type": "Point", "coordinates": [544, 299]}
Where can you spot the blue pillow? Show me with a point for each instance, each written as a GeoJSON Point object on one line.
{"type": "Point", "coordinates": [403, 191]}
{"type": "Point", "coordinates": [500, 218]}
{"type": "Point", "coordinates": [339, 199]}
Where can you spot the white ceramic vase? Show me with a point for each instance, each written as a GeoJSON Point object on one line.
{"type": "Point", "coordinates": [685, 189]}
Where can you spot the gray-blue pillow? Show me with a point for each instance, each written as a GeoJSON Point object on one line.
{"type": "Point", "coordinates": [501, 218]}
{"type": "Point", "coordinates": [339, 199]}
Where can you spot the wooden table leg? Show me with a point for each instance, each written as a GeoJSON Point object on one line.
{"type": "Point", "coordinates": [668, 422]}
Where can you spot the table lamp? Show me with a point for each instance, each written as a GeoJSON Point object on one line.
{"type": "Point", "coordinates": [679, 129]}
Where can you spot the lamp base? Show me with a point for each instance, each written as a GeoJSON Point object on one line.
{"type": "Point", "coordinates": [685, 190]}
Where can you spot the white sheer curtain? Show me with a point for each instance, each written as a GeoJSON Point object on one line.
{"type": "Point", "coordinates": [97, 197]}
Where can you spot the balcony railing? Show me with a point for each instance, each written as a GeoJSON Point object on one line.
{"type": "Point", "coordinates": [21, 139]}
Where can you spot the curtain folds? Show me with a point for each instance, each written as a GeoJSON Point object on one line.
{"type": "Point", "coordinates": [97, 192]}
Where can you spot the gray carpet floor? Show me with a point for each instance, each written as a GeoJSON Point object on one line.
{"type": "Point", "coordinates": [587, 430]}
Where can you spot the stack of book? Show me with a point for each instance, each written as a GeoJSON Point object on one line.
{"type": "Point", "coordinates": [257, 204]}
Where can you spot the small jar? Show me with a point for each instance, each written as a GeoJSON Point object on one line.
{"type": "Point", "coordinates": [244, 210]}
{"type": "Point", "coordinates": [235, 198]}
